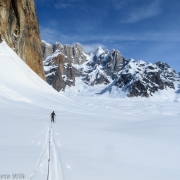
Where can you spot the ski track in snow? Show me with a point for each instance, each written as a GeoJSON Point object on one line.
{"type": "Point", "coordinates": [43, 156]}
{"type": "Point", "coordinates": [55, 167]}
{"type": "Point", "coordinates": [55, 162]}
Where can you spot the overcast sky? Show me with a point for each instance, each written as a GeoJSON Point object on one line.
{"type": "Point", "coordinates": [146, 30]}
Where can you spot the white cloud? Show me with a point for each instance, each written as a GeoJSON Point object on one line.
{"type": "Point", "coordinates": [51, 35]}
{"type": "Point", "coordinates": [48, 35]}
{"type": "Point", "coordinates": [171, 40]}
{"type": "Point", "coordinates": [62, 6]}
{"type": "Point", "coordinates": [120, 4]}
{"type": "Point", "coordinates": [171, 36]}
{"type": "Point", "coordinates": [92, 47]}
{"type": "Point", "coordinates": [66, 4]}
{"type": "Point", "coordinates": [53, 23]}
{"type": "Point", "coordinates": [144, 12]}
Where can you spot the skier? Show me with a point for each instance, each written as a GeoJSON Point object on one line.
{"type": "Point", "coordinates": [52, 116]}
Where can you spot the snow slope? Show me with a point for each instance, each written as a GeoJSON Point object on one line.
{"type": "Point", "coordinates": [94, 138]}
{"type": "Point", "coordinates": [26, 102]}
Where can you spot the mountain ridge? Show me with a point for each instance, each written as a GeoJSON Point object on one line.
{"type": "Point", "coordinates": [135, 78]}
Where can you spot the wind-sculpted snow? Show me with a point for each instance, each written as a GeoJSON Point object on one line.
{"type": "Point", "coordinates": [12, 95]}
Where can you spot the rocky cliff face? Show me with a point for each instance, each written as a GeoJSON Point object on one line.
{"type": "Point", "coordinates": [19, 27]}
{"type": "Point", "coordinates": [58, 63]}
{"type": "Point", "coordinates": [74, 53]}
{"type": "Point", "coordinates": [47, 49]}
{"type": "Point", "coordinates": [59, 71]}
{"type": "Point", "coordinates": [0, 38]}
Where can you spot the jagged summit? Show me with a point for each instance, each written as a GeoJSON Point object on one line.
{"type": "Point", "coordinates": [108, 68]}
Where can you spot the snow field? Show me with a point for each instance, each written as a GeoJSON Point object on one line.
{"type": "Point", "coordinates": [93, 138]}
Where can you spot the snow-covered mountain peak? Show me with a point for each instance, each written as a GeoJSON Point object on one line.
{"type": "Point", "coordinates": [134, 78]}
{"type": "Point", "coordinates": [99, 52]}
{"type": "Point", "coordinates": [58, 47]}
{"type": "Point", "coordinates": [46, 43]}
{"type": "Point", "coordinates": [140, 62]}
{"type": "Point", "coordinates": [144, 79]}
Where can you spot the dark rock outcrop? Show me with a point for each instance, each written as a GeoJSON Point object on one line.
{"type": "Point", "coordinates": [59, 71]}
{"type": "Point", "coordinates": [19, 27]}
{"type": "Point", "coordinates": [0, 39]}
{"type": "Point", "coordinates": [58, 64]}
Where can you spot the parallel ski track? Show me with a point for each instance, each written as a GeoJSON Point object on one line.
{"type": "Point", "coordinates": [54, 168]}
{"type": "Point", "coordinates": [49, 156]}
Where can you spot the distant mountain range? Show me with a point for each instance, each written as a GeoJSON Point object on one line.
{"type": "Point", "coordinates": [63, 63]}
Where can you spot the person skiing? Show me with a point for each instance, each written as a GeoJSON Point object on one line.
{"type": "Point", "coordinates": [52, 116]}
